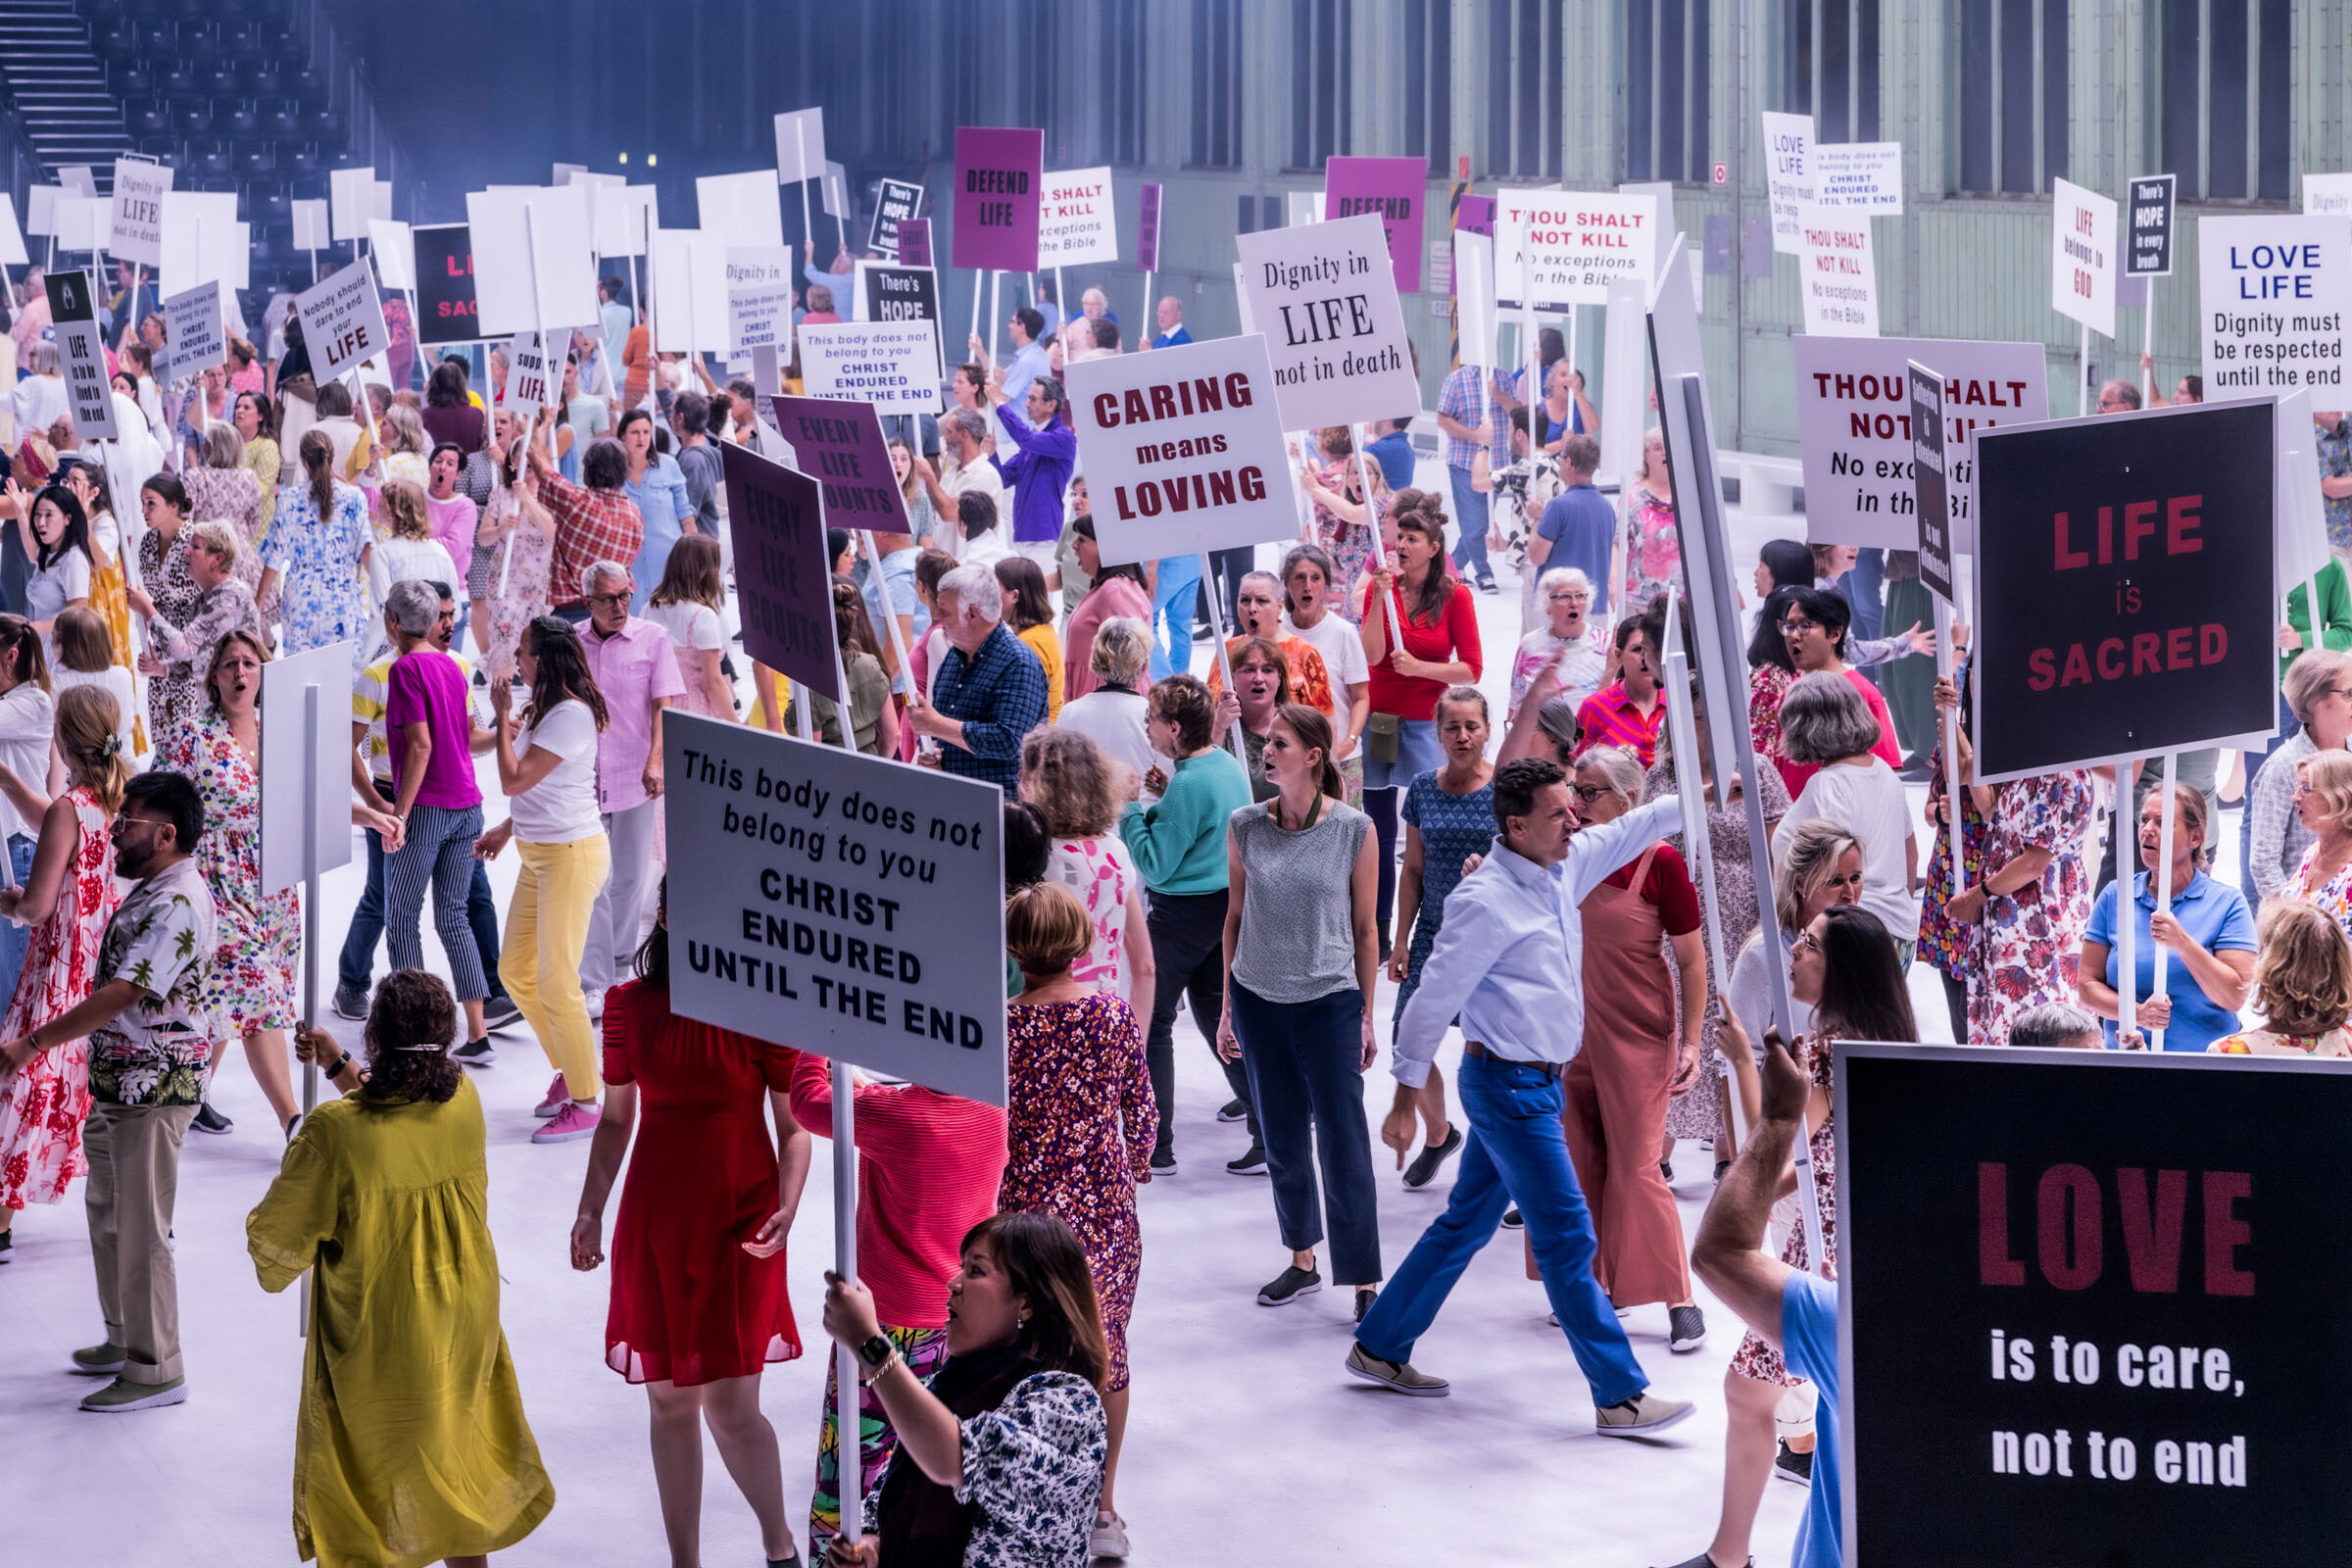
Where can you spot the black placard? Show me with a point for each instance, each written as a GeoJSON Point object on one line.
{"type": "Point", "coordinates": [1934, 507]}
{"type": "Point", "coordinates": [898, 201]}
{"type": "Point", "coordinates": [2123, 587]}
{"type": "Point", "coordinates": [445, 304]}
{"type": "Point", "coordinates": [2148, 228]}
{"type": "Point", "coordinates": [2127, 1203]}
{"type": "Point", "coordinates": [905, 294]}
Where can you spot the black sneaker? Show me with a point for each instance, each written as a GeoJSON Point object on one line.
{"type": "Point", "coordinates": [1163, 1162]}
{"type": "Point", "coordinates": [478, 1054]}
{"type": "Point", "coordinates": [500, 1013]}
{"type": "Point", "coordinates": [350, 1003]}
{"type": "Point", "coordinates": [1666, 1169]}
{"type": "Point", "coordinates": [8, 1245]}
{"type": "Point", "coordinates": [1251, 1164]}
{"type": "Point", "coordinates": [1685, 1329]}
{"type": "Point", "coordinates": [1512, 1219]}
{"type": "Point", "coordinates": [481, 678]}
{"type": "Point", "coordinates": [1290, 1285]}
{"type": "Point", "coordinates": [1486, 585]}
{"type": "Point", "coordinates": [1365, 1296]}
{"type": "Point", "coordinates": [1425, 1164]}
{"type": "Point", "coordinates": [1234, 1110]}
{"type": "Point", "coordinates": [1790, 1465]}
{"type": "Point", "coordinates": [209, 1120]}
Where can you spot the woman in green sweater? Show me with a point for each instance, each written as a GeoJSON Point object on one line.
{"type": "Point", "coordinates": [1178, 845]}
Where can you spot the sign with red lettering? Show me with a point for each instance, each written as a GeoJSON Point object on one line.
{"type": "Point", "coordinates": [445, 308]}
{"type": "Point", "coordinates": [2082, 256]}
{"type": "Point", "coordinates": [1393, 188]}
{"type": "Point", "coordinates": [1327, 304]}
{"type": "Point", "coordinates": [1853, 428]}
{"type": "Point", "coordinates": [1183, 449]}
{"type": "Point", "coordinates": [914, 242]}
{"type": "Point", "coordinates": [1568, 246]}
{"type": "Point", "coordinates": [1000, 182]}
{"type": "Point", "coordinates": [1837, 277]}
{"type": "Point", "coordinates": [1076, 225]}
{"type": "Point", "coordinates": [2125, 584]}
{"type": "Point", "coordinates": [2092, 1315]}
{"type": "Point", "coordinates": [342, 321]}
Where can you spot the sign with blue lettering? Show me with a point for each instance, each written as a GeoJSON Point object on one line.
{"type": "Point", "coordinates": [2275, 291]}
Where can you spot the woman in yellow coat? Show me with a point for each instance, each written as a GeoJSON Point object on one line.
{"type": "Point", "coordinates": [410, 1445]}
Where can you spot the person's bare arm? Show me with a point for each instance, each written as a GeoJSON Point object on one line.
{"type": "Point", "coordinates": [52, 857]}
{"type": "Point", "coordinates": [605, 1154]}
{"type": "Point", "coordinates": [417, 751]}
{"type": "Point", "coordinates": [1729, 1254]}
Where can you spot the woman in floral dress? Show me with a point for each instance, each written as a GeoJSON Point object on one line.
{"type": "Point", "coordinates": [1654, 554]}
{"type": "Point", "coordinates": [67, 901]}
{"type": "Point", "coordinates": [169, 592]}
{"type": "Point", "coordinates": [251, 984]}
{"type": "Point", "coordinates": [521, 535]}
{"type": "Point", "coordinates": [1341, 527]}
{"type": "Point", "coordinates": [1072, 780]}
{"type": "Point", "coordinates": [315, 556]}
{"type": "Point", "coordinates": [2029, 940]}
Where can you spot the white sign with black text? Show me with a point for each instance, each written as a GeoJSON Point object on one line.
{"type": "Point", "coordinates": [1837, 277]}
{"type": "Point", "coordinates": [1787, 175]}
{"type": "Point", "coordinates": [892, 364]}
{"type": "Point", "coordinates": [2276, 290]}
{"type": "Point", "coordinates": [194, 339]}
{"type": "Point", "coordinates": [1075, 224]}
{"type": "Point", "coordinates": [759, 299]}
{"type": "Point", "coordinates": [342, 321]}
{"type": "Point", "coordinates": [1325, 297]}
{"type": "Point", "coordinates": [1862, 175]}
{"type": "Point", "coordinates": [137, 233]}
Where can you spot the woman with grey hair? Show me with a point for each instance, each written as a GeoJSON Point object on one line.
{"type": "Point", "coordinates": [224, 604]}
{"type": "Point", "coordinates": [225, 487]}
{"type": "Point", "coordinates": [2056, 1026]}
{"type": "Point", "coordinates": [2319, 692]}
{"type": "Point", "coordinates": [1826, 726]}
{"type": "Point", "coordinates": [1113, 714]}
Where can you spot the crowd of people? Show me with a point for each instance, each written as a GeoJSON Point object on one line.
{"type": "Point", "coordinates": [526, 595]}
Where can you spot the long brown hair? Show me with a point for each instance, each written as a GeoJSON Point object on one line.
{"type": "Point", "coordinates": [691, 574]}
{"type": "Point", "coordinates": [1046, 1267]}
{"type": "Point", "coordinates": [317, 453]}
{"type": "Point", "coordinates": [1313, 731]}
{"type": "Point", "coordinates": [32, 662]}
{"type": "Point", "coordinates": [239, 638]}
{"type": "Point", "coordinates": [562, 672]}
{"type": "Point", "coordinates": [1422, 511]}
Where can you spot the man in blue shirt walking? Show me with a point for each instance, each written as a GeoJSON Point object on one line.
{"type": "Point", "coordinates": [1045, 450]}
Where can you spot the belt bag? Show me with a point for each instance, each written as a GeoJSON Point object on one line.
{"type": "Point", "coordinates": [1382, 737]}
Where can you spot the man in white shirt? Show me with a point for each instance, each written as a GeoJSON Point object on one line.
{"type": "Point", "coordinates": [966, 440]}
{"type": "Point", "coordinates": [1510, 962]}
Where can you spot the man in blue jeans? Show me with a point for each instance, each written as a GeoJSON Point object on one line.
{"type": "Point", "coordinates": [1470, 418]}
{"type": "Point", "coordinates": [1509, 962]}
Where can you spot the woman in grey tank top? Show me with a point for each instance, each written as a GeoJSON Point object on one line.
{"type": "Point", "coordinates": [1302, 951]}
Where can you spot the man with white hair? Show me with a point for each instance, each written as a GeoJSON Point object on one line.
{"type": "Point", "coordinates": [990, 691]}
{"type": "Point", "coordinates": [1171, 325]}
{"type": "Point", "coordinates": [966, 440]}
{"type": "Point", "coordinates": [637, 670]}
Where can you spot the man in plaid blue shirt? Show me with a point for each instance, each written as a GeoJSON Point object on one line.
{"type": "Point", "coordinates": [991, 690]}
{"type": "Point", "coordinates": [1464, 403]}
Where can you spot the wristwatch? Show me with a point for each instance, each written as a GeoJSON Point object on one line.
{"type": "Point", "coordinates": [875, 1353]}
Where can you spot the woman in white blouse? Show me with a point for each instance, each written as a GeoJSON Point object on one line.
{"type": "Point", "coordinates": [1824, 721]}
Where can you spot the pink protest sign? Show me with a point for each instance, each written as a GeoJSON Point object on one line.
{"type": "Point", "coordinates": [1146, 242]}
{"type": "Point", "coordinates": [840, 445]}
{"type": "Point", "coordinates": [1394, 188]}
{"type": "Point", "coordinates": [1475, 216]}
{"type": "Point", "coordinates": [914, 242]}
{"type": "Point", "coordinates": [999, 174]}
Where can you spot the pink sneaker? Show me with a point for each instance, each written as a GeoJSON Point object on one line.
{"type": "Point", "coordinates": [553, 1100]}
{"type": "Point", "coordinates": [574, 1120]}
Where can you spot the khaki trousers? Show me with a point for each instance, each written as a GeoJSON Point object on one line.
{"type": "Point", "coordinates": [134, 1178]}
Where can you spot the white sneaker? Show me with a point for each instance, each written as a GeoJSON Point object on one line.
{"type": "Point", "coordinates": [596, 1001]}
{"type": "Point", "coordinates": [1109, 1539]}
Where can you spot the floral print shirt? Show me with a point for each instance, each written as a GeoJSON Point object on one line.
{"type": "Point", "coordinates": [156, 1050]}
{"type": "Point", "coordinates": [317, 561]}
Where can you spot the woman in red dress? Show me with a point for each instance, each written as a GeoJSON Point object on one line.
{"type": "Point", "coordinates": [699, 1304]}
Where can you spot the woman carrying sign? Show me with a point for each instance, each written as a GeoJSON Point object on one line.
{"type": "Point", "coordinates": [2208, 930]}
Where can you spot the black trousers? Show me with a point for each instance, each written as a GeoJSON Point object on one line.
{"type": "Point", "coordinates": [1188, 952]}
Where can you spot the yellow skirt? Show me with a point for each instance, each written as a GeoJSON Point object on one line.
{"type": "Point", "coordinates": [109, 597]}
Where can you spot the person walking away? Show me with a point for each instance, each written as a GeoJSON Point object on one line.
{"type": "Point", "coordinates": [632, 664]}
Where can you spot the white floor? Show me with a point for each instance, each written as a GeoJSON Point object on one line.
{"type": "Point", "coordinates": [1249, 1444]}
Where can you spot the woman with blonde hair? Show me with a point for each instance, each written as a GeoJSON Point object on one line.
{"type": "Point", "coordinates": [1115, 711]}
{"type": "Point", "coordinates": [405, 446]}
{"type": "Point", "coordinates": [67, 903]}
{"type": "Point", "coordinates": [406, 549]}
{"type": "Point", "coordinates": [2302, 985]}
{"type": "Point", "coordinates": [2324, 806]}
{"type": "Point", "coordinates": [1080, 789]}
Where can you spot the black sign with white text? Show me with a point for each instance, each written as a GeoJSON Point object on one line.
{"type": "Point", "coordinates": [901, 294]}
{"type": "Point", "coordinates": [898, 201]}
{"type": "Point", "coordinates": [445, 304]}
{"type": "Point", "coordinates": [2148, 228]}
{"type": "Point", "coordinates": [1927, 480]}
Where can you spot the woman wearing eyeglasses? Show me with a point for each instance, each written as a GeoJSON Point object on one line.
{"type": "Point", "coordinates": [1813, 625]}
{"type": "Point", "coordinates": [1565, 595]}
{"type": "Point", "coordinates": [2319, 691]}
{"type": "Point", "coordinates": [1829, 732]}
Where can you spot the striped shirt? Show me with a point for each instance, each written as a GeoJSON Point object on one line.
{"type": "Point", "coordinates": [1609, 718]}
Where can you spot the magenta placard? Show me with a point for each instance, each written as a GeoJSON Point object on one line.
{"type": "Point", "coordinates": [914, 241]}
{"type": "Point", "coordinates": [999, 174]}
{"type": "Point", "coordinates": [782, 579]}
{"type": "Point", "coordinates": [1395, 188]}
{"type": "Point", "coordinates": [1475, 216]}
{"type": "Point", "coordinates": [840, 445]}
{"type": "Point", "coordinates": [1147, 239]}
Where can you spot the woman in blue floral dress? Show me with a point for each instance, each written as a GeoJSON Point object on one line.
{"type": "Point", "coordinates": [317, 557]}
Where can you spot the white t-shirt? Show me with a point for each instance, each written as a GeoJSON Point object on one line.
{"type": "Point", "coordinates": [1341, 647]}
{"type": "Point", "coordinates": [419, 561]}
{"type": "Point", "coordinates": [560, 808]}
{"type": "Point", "coordinates": [1114, 721]}
{"type": "Point", "coordinates": [984, 551]}
{"type": "Point", "coordinates": [691, 626]}
{"type": "Point", "coordinates": [27, 720]}
{"type": "Point", "coordinates": [115, 681]}
{"type": "Point", "coordinates": [1869, 803]}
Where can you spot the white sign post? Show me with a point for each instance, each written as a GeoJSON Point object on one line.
{"type": "Point", "coordinates": [2275, 293]}
{"type": "Point", "coordinates": [892, 364]}
{"type": "Point", "coordinates": [759, 299]}
{"type": "Point", "coordinates": [136, 233]}
{"type": "Point", "coordinates": [533, 269]}
{"type": "Point", "coordinates": [1838, 275]}
{"type": "Point", "coordinates": [312, 232]}
{"type": "Point", "coordinates": [2083, 267]}
{"type": "Point", "coordinates": [1477, 321]}
{"type": "Point", "coordinates": [194, 339]}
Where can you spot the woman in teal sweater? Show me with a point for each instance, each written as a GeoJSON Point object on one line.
{"type": "Point", "coordinates": [1179, 847]}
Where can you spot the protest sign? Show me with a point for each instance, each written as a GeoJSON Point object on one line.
{"type": "Point", "coordinates": [759, 299]}
{"type": "Point", "coordinates": [12, 239]}
{"type": "Point", "coordinates": [194, 339]}
{"type": "Point", "coordinates": [1000, 178]}
{"type": "Point", "coordinates": [1334, 330]}
{"type": "Point", "coordinates": [1787, 175]}
{"type": "Point", "coordinates": [1076, 223]}
{"type": "Point", "coordinates": [1837, 277]}
{"type": "Point", "coordinates": [914, 242]}
{"type": "Point", "coordinates": [82, 223]}
{"type": "Point", "coordinates": [304, 764]}
{"type": "Point", "coordinates": [740, 210]}
{"type": "Point", "coordinates": [1303, 207]}
{"type": "Point", "coordinates": [2275, 291]}
{"type": "Point", "coordinates": [1394, 189]}
{"type": "Point", "coordinates": [379, 201]}
{"type": "Point", "coordinates": [619, 217]}
{"type": "Point", "coordinates": [838, 443]}
{"type": "Point", "coordinates": [342, 322]}
{"type": "Point", "coordinates": [898, 201]}
{"type": "Point", "coordinates": [1853, 428]}
{"type": "Point", "coordinates": [845, 903]}
{"type": "Point", "coordinates": [80, 179]}
{"type": "Point", "coordinates": [1183, 447]}
{"type": "Point", "coordinates": [1865, 177]}
{"type": "Point", "coordinates": [311, 232]}
{"type": "Point", "coordinates": [2328, 195]}
{"type": "Point", "coordinates": [2096, 1323]}
{"type": "Point", "coordinates": [2303, 548]}
{"type": "Point", "coordinates": [137, 227]}
{"type": "Point", "coordinates": [82, 351]}
{"type": "Point", "coordinates": [444, 272]}
{"type": "Point", "coordinates": [40, 209]}
{"type": "Point", "coordinates": [203, 243]}
{"type": "Point", "coordinates": [689, 289]}
{"type": "Point", "coordinates": [799, 147]}
{"type": "Point", "coordinates": [533, 270]}
{"type": "Point", "coordinates": [1930, 496]}
{"type": "Point", "coordinates": [1474, 297]}
{"type": "Point", "coordinates": [834, 191]}
{"type": "Point", "coordinates": [1475, 214]}
{"type": "Point", "coordinates": [1624, 382]}
{"type": "Point", "coordinates": [2149, 248]}
{"type": "Point", "coordinates": [1569, 246]}
{"type": "Point", "coordinates": [528, 383]}
{"type": "Point", "coordinates": [2125, 587]}
{"type": "Point", "coordinates": [897, 294]}
{"type": "Point", "coordinates": [394, 254]}
{"type": "Point", "coordinates": [783, 582]}
{"type": "Point", "coordinates": [2082, 257]}
{"type": "Point", "coordinates": [892, 366]}
{"type": "Point", "coordinates": [1146, 228]}
{"type": "Point", "coordinates": [351, 202]}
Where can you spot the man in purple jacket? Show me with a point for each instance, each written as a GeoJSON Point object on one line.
{"type": "Point", "coordinates": [1044, 451]}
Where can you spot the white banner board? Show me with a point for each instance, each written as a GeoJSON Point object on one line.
{"type": "Point", "coordinates": [619, 217]}
{"type": "Point", "coordinates": [12, 239]}
{"type": "Point", "coordinates": [533, 269]}
{"type": "Point", "coordinates": [310, 232]}
{"type": "Point", "coordinates": [1075, 224]}
{"type": "Point", "coordinates": [40, 209]}
{"type": "Point", "coordinates": [742, 210]}
{"type": "Point", "coordinates": [2275, 291]}
{"type": "Point", "coordinates": [84, 222]}
{"type": "Point", "coordinates": [295, 756]}
{"type": "Point", "coordinates": [1474, 297]}
{"type": "Point", "coordinates": [688, 287]}
{"type": "Point", "coordinates": [1183, 447]}
{"type": "Point", "coordinates": [759, 299]}
{"type": "Point", "coordinates": [2083, 259]}
{"type": "Point", "coordinates": [394, 254]}
{"type": "Point", "coordinates": [2328, 195]}
{"type": "Point", "coordinates": [1325, 297]}
{"type": "Point", "coordinates": [800, 148]}
{"type": "Point", "coordinates": [80, 179]}
{"type": "Point", "coordinates": [846, 905]}
{"type": "Point", "coordinates": [351, 202]}
{"type": "Point", "coordinates": [136, 230]}
{"type": "Point", "coordinates": [2302, 514]}
{"type": "Point", "coordinates": [1569, 246]}
{"type": "Point", "coordinates": [1838, 275]}
{"type": "Point", "coordinates": [203, 243]}
{"type": "Point", "coordinates": [1862, 175]}
{"type": "Point", "coordinates": [1853, 424]}
{"type": "Point", "coordinates": [342, 321]}
{"type": "Point", "coordinates": [194, 339]}
{"type": "Point", "coordinates": [892, 364]}
{"type": "Point", "coordinates": [1787, 175]}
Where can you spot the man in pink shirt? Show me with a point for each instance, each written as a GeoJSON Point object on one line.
{"type": "Point", "coordinates": [637, 670]}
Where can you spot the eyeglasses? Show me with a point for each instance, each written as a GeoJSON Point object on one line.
{"type": "Point", "coordinates": [1806, 942]}
{"type": "Point", "coordinates": [1797, 628]}
{"type": "Point", "coordinates": [1589, 793]}
{"type": "Point", "coordinates": [124, 821]}
{"type": "Point", "coordinates": [609, 599]}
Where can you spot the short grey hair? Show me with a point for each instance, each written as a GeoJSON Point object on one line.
{"type": "Point", "coordinates": [975, 587]}
{"type": "Point", "coordinates": [1822, 718]}
{"type": "Point", "coordinates": [968, 425]}
{"type": "Point", "coordinates": [413, 605]}
{"type": "Point", "coordinates": [223, 447]}
{"type": "Point", "coordinates": [1621, 768]}
{"type": "Point", "coordinates": [217, 536]}
{"type": "Point", "coordinates": [43, 360]}
{"type": "Point", "coordinates": [2056, 1025]}
{"type": "Point", "coordinates": [1122, 650]}
{"type": "Point", "coordinates": [600, 571]}
{"type": "Point", "coordinates": [2311, 676]}
{"type": "Point", "coordinates": [1562, 577]}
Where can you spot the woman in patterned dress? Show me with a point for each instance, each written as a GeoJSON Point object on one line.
{"type": "Point", "coordinates": [1341, 511]}
{"type": "Point", "coordinates": [1081, 1119]}
{"type": "Point", "coordinates": [2302, 987]}
{"type": "Point", "coordinates": [317, 555]}
{"type": "Point", "coordinates": [168, 591]}
{"type": "Point", "coordinates": [67, 901]}
{"type": "Point", "coordinates": [1068, 776]}
{"type": "Point", "coordinates": [1943, 940]}
{"type": "Point", "coordinates": [225, 488]}
{"type": "Point", "coordinates": [1653, 556]}
{"type": "Point", "coordinates": [2323, 804]}
{"type": "Point", "coordinates": [521, 535]}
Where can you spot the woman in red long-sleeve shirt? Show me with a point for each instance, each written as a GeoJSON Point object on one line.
{"type": "Point", "coordinates": [929, 1170]}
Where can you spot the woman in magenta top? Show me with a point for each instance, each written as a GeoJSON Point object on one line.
{"type": "Point", "coordinates": [1437, 623]}
{"type": "Point", "coordinates": [1814, 624]}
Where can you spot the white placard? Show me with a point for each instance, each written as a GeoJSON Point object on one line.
{"type": "Point", "coordinates": [689, 289]}
{"type": "Point", "coordinates": [1075, 224]}
{"type": "Point", "coordinates": [619, 218]}
{"type": "Point", "coordinates": [80, 179]}
{"type": "Point", "coordinates": [12, 239]}
{"type": "Point", "coordinates": [311, 232]}
{"type": "Point", "coordinates": [1837, 277]}
{"type": "Point", "coordinates": [137, 228]}
{"type": "Point", "coordinates": [40, 209]}
{"type": "Point", "coordinates": [2328, 195]}
{"type": "Point", "coordinates": [565, 173]}
{"type": "Point", "coordinates": [1624, 379]}
{"type": "Point", "coordinates": [351, 201]}
{"type": "Point", "coordinates": [2275, 292]}
{"type": "Point", "coordinates": [530, 383]}
{"type": "Point", "coordinates": [758, 300]}
{"type": "Point", "coordinates": [2302, 515]}
{"type": "Point", "coordinates": [394, 253]}
{"type": "Point", "coordinates": [293, 755]}
{"type": "Point", "coordinates": [532, 267]}
{"type": "Point", "coordinates": [1183, 447]}
{"type": "Point", "coordinates": [82, 223]}
{"type": "Point", "coordinates": [203, 243]}
{"type": "Point", "coordinates": [81, 348]}
{"type": "Point", "coordinates": [342, 321]}
{"type": "Point", "coordinates": [1863, 175]}
{"type": "Point", "coordinates": [1303, 207]}
{"type": "Point", "coordinates": [892, 364]}
{"type": "Point", "coordinates": [1787, 175]}
{"type": "Point", "coordinates": [1325, 297]}
{"type": "Point", "coordinates": [741, 210]}
{"type": "Point", "coordinates": [1570, 245]}
{"type": "Point", "coordinates": [194, 339]}
{"type": "Point", "coordinates": [379, 202]}
{"type": "Point", "coordinates": [833, 191]}
{"type": "Point", "coordinates": [1474, 297]}
{"type": "Point", "coordinates": [800, 149]}
{"type": "Point", "coordinates": [2083, 259]}
{"type": "Point", "coordinates": [1853, 425]}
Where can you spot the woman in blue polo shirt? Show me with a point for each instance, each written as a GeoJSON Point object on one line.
{"type": "Point", "coordinates": [2209, 937]}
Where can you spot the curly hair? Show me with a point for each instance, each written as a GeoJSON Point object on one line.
{"type": "Point", "coordinates": [1068, 776]}
{"type": "Point", "coordinates": [1422, 511]}
{"type": "Point", "coordinates": [411, 1027]}
{"type": "Point", "coordinates": [2304, 974]}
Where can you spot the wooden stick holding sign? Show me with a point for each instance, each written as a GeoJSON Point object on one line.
{"type": "Point", "coordinates": [2164, 887]}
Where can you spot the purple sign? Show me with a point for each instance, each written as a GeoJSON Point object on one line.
{"type": "Point", "coordinates": [914, 242]}
{"type": "Point", "coordinates": [1475, 216]}
{"type": "Point", "coordinates": [1146, 241]}
{"type": "Point", "coordinates": [1394, 188]}
{"type": "Point", "coordinates": [999, 175]}
{"type": "Point", "coordinates": [840, 445]}
{"type": "Point", "coordinates": [782, 582]}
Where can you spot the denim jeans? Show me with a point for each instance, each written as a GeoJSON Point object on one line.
{"type": "Point", "coordinates": [1307, 1079]}
{"type": "Point", "coordinates": [1515, 1152]}
{"type": "Point", "coordinates": [1172, 610]}
{"type": "Point", "coordinates": [358, 963]}
{"type": "Point", "coordinates": [14, 939]}
{"type": "Point", "coordinates": [1864, 589]}
{"type": "Point", "coordinates": [1188, 959]}
{"type": "Point", "coordinates": [1470, 511]}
